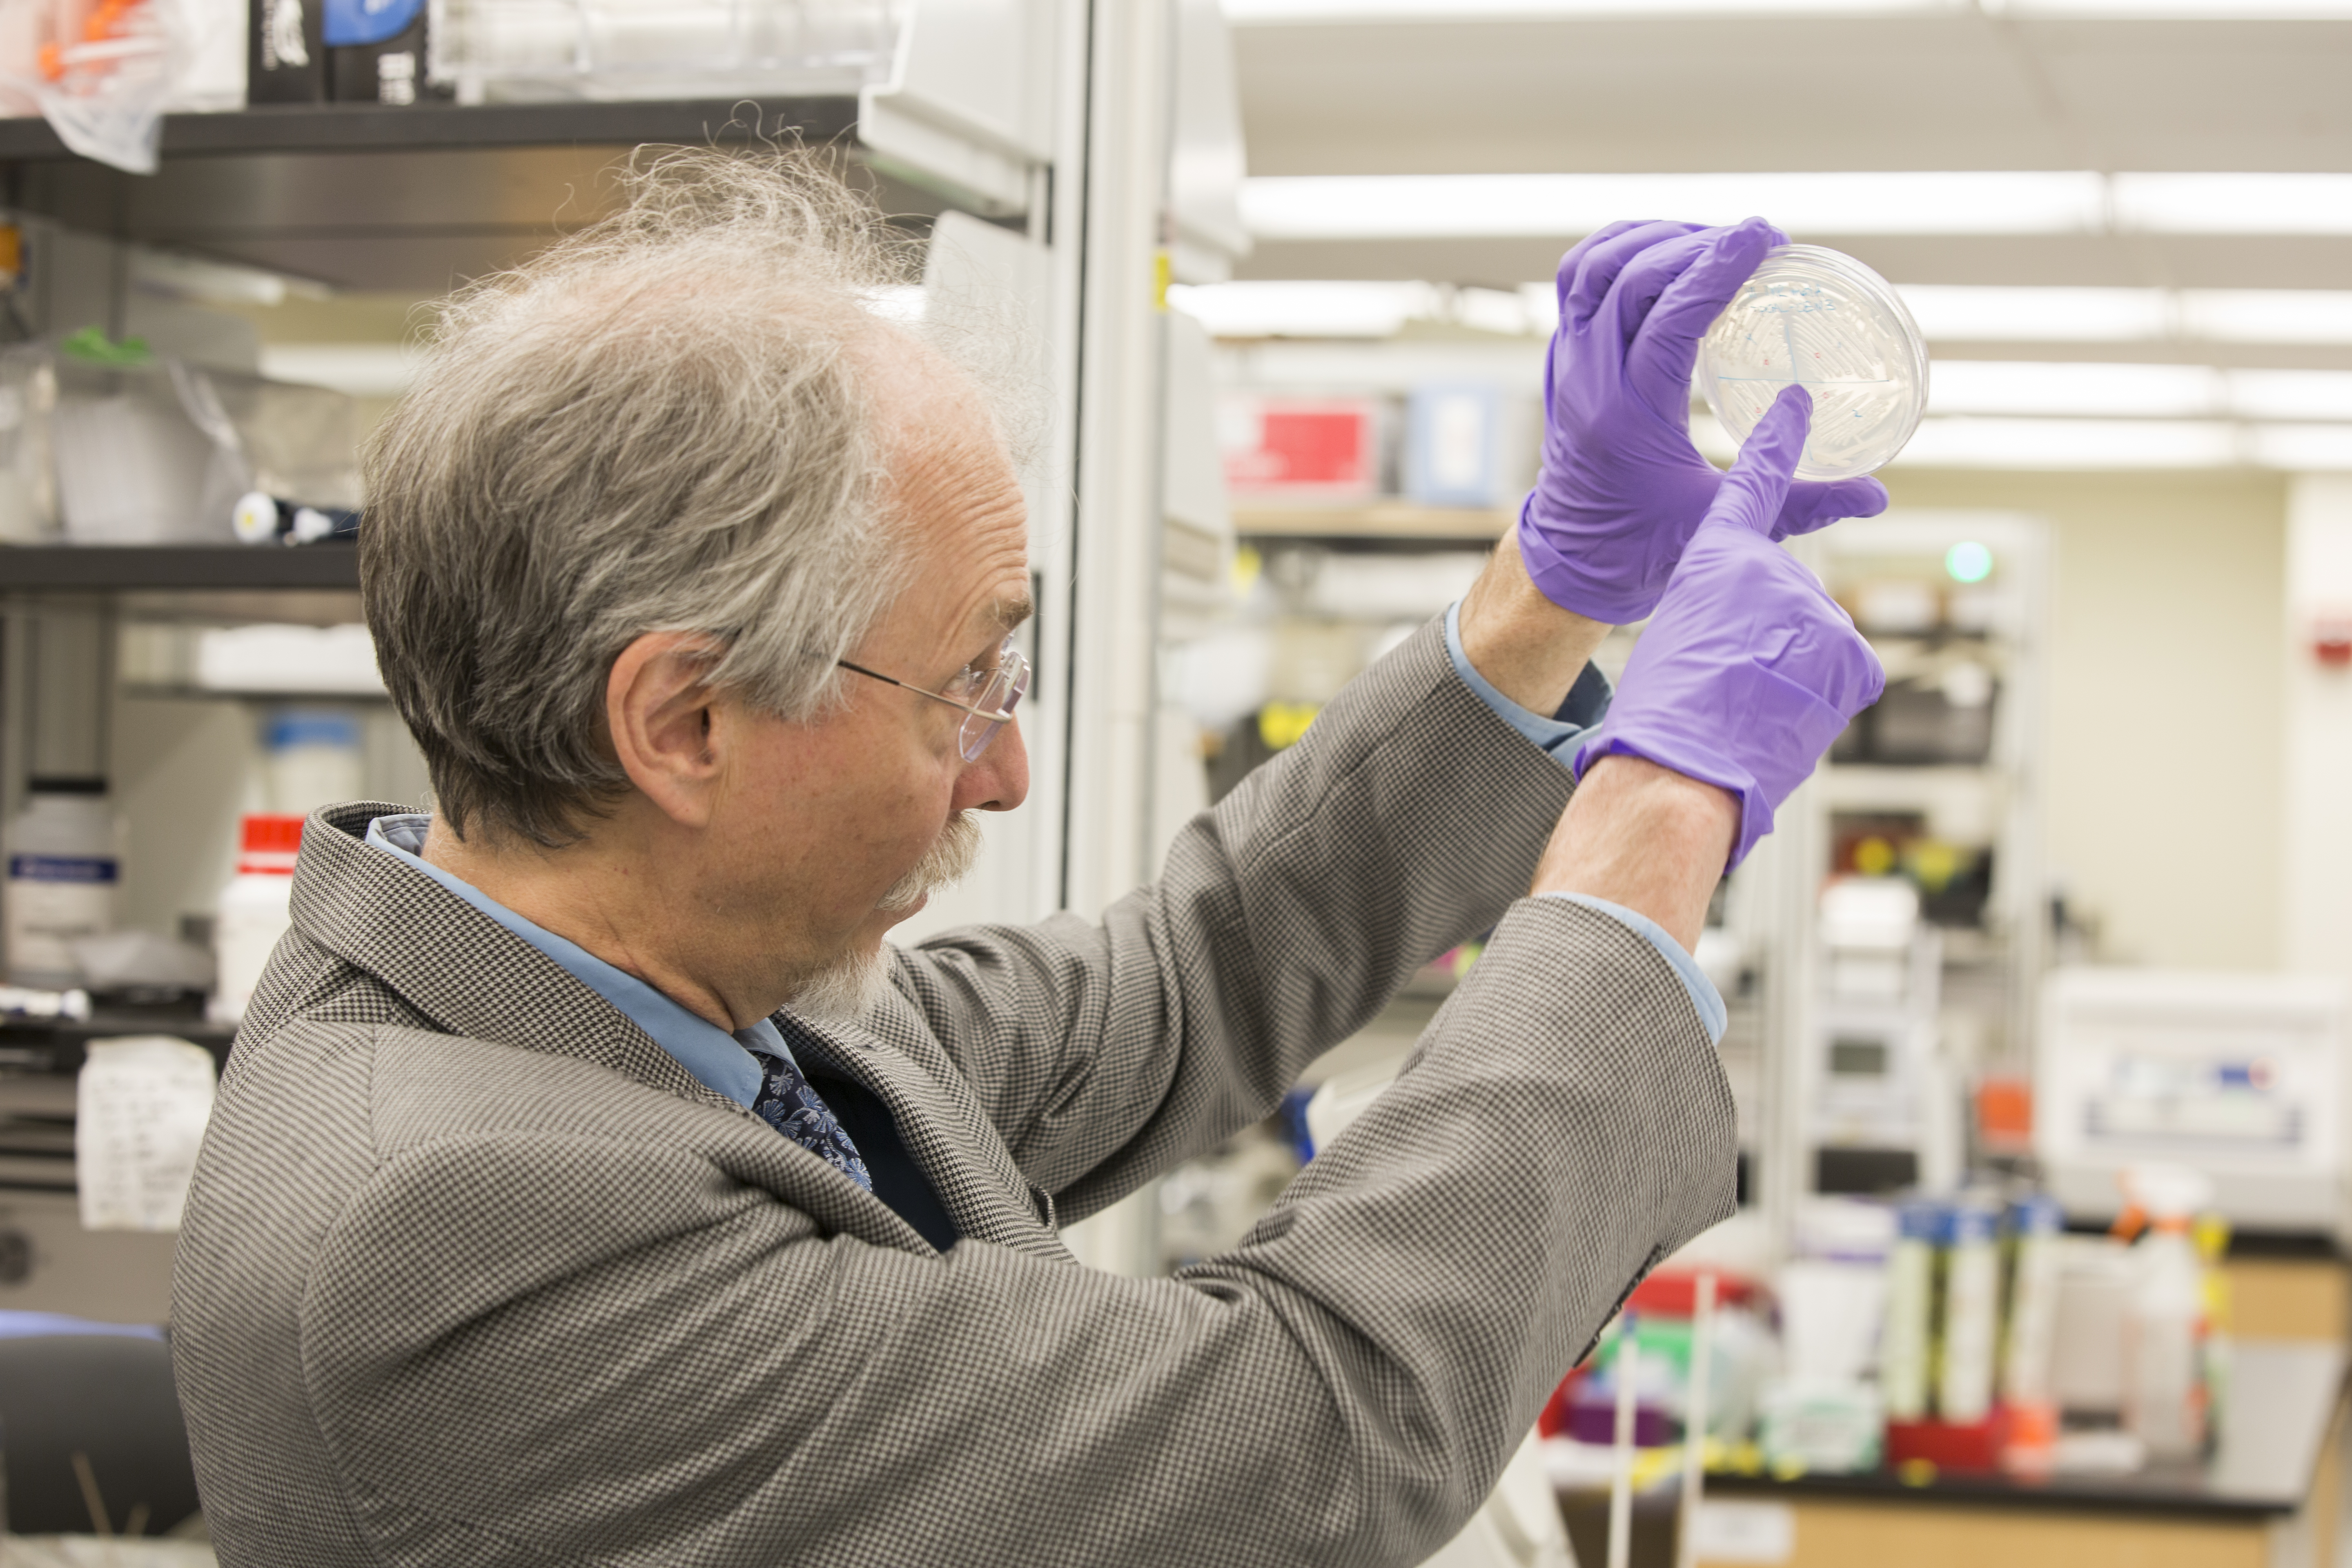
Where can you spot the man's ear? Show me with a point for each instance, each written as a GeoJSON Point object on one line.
{"type": "Point", "coordinates": [657, 713]}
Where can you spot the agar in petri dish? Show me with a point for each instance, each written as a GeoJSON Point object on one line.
{"type": "Point", "coordinates": [1821, 319]}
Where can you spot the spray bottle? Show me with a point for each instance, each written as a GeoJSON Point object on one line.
{"type": "Point", "coordinates": [2166, 1327]}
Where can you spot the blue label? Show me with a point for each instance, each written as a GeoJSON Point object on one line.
{"type": "Point", "coordinates": [61, 867]}
{"type": "Point", "coordinates": [349, 22]}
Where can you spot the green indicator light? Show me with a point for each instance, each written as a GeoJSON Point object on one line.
{"type": "Point", "coordinates": [1968, 561]}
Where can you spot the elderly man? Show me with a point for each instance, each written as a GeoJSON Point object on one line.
{"type": "Point", "coordinates": [592, 1184]}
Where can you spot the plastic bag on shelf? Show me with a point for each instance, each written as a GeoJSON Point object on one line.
{"type": "Point", "coordinates": [149, 449]}
{"type": "Point", "coordinates": [103, 71]}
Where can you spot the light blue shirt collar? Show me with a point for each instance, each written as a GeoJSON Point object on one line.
{"type": "Point", "coordinates": [719, 1061]}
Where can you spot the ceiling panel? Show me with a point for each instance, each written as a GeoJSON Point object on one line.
{"type": "Point", "coordinates": [2199, 261]}
{"type": "Point", "coordinates": [1627, 94]}
{"type": "Point", "coordinates": [1959, 91]}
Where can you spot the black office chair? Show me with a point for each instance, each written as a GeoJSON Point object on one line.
{"type": "Point", "coordinates": [109, 1399]}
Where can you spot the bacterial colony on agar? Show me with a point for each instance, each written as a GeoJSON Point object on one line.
{"type": "Point", "coordinates": [1821, 320]}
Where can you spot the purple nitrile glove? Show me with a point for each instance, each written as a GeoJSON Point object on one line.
{"type": "Point", "coordinates": [1622, 488]}
{"type": "Point", "coordinates": [1750, 669]}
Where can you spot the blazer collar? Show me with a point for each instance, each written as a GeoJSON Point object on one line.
{"type": "Point", "coordinates": [462, 969]}
{"type": "Point", "coordinates": [474, 977]}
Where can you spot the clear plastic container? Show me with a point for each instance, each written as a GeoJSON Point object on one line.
{"type": "Point", "coordinates": [1821, 319]}
{"type": "Point", "coordinates": [524, 49]}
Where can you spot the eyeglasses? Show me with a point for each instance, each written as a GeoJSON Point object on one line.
{"type": "Point", "coordinates": [987, 694]}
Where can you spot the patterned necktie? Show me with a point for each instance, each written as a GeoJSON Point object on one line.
{"type": "Point", "coordinates": [789, 1105]}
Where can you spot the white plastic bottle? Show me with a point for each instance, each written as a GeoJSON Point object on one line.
{"type": "Point", "coordinates": [1905, 1351]}
{"type": "Point", "coordinates": [311, 757]}
{"type": "Point", "coordinates": [1971, 1314]}
{"type": "Point", "coordinates": [63, 869]}
{"type": "Point", "coordinates": [253, 912]}
{"type": "Point", "coordinates": [2165, 1325]}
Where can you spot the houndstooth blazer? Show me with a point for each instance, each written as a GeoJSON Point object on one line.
{"type": "Point", "coordinates": [473, 1272]}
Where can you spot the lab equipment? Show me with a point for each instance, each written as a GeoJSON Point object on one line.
{"type": "Point", "coordinates": [63, 868]}
{"type": "Point", "coordinates": [1885, 1114]}
{"type": "Point", "coordinates": [1622, 489]}
{"type": "Point", "coordinates": [2239, 1076]}
{"type": "Point", "coordinates": [1817, 319]}
{"type": "Point", "coordinates": [260, 518]}
{"type": "Point", "coordinates": [254, 911]}
{"type": "Point", "coordinates": [1749, 670]}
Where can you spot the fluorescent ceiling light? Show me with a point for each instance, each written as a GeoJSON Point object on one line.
{"type": "Point", "coordinates": [2304, 447]}
{"type": "Point", "coordinates": [2234, 203]}
{"type": "Point", "coordinates": [2071, 444]}
{"type": "Point", "coordinates": [1419, 206]}
{"type": "Point", "coordinates": [1991, 387]}
{"type": "Point", "coordinates": [2268, 315]}
{"type": "Point", "coordinates": [2290, 394]}
{"type": "Point", "coordinates": [1962, 313]}
{"type": "Point", "coordinates": [1301, 308]}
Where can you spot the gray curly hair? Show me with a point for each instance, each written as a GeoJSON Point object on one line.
{"type": "Point", "coordinates": [658, 424]}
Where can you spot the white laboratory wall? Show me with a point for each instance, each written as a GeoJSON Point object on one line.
{"type": "Point", "coordinates": [2164, 724]}
{"type": "Point", "coordinates": [2315, 827]}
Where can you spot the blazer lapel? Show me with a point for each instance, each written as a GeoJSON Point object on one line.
{"type": "Point", "coordinates": [940, 1123]}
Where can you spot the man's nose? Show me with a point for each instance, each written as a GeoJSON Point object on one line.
{"type": "Point", "coordinates": [999, 780]}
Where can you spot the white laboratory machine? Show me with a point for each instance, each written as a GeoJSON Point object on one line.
{"type": "Point", "coordinates": [2240, 1076]}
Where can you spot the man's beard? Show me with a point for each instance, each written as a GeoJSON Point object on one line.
{"type": "Point", "coordinates": [853, 984]}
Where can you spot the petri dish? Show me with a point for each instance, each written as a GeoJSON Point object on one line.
{"type": "Point", "coordinates": [1819, 318]}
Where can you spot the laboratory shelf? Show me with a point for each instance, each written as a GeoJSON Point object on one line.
{"type": "Point", "coordinates": [2281, 1400]}
{"type": "Point", "coordinates": [361, 127]}
{"type": "Point", "coordinates": [50, 568]}
{"type": "Point", "coordinates": [1379, 520]}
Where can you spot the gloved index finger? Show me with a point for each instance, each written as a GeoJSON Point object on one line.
{"type": "Point", "coordinates": [1665, 344]}
{"type": "Point", "coordinates": [1758, 481]}
{"type": "Point", "coordinates": [1597, 262]}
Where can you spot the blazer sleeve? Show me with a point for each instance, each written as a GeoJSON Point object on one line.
{"type": "Point", "coordinates": [602, 1351]}
{"type": "Point", "coordinates": [1405, 821]}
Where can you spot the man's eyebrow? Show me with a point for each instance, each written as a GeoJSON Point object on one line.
{"type": "Point", "coordinates": [1012, 610]}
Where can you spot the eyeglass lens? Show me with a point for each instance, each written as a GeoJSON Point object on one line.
{"type": "Point", "coordinates": [1006, 684]}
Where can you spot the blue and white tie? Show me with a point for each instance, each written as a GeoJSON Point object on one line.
{"type": "Point", "coordinates": [791, 1106]}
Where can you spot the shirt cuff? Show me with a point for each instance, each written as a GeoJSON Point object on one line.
{"type": "Point", "coordinates": [1588, 700]}
{"type": "Point", "coordinates": [1703, 993]}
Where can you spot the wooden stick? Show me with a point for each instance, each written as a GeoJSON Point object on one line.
{"type": "Point", "coordinates": [136, 1524]}
{"type": "Point", "coordinates": [1620, 1479]}
{"type": "Point", "coordinates": [91, 1496]}
{"type": "Point", "coordinates": [1695, 1418]}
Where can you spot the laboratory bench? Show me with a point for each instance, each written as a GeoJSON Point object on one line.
{"type": "Point", "coordinates": [2268, 1498]}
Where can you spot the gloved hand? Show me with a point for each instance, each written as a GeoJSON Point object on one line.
{"type": "Point", "coordinates": [1750, 669]}
{"type": "Point", "coordinates": [1622, 488]}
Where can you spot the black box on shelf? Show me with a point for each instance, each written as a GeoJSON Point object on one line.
{"type": "Point", "coordinates": [376, 52]}
{"type": "Point", "coordinates": [286, 52]}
